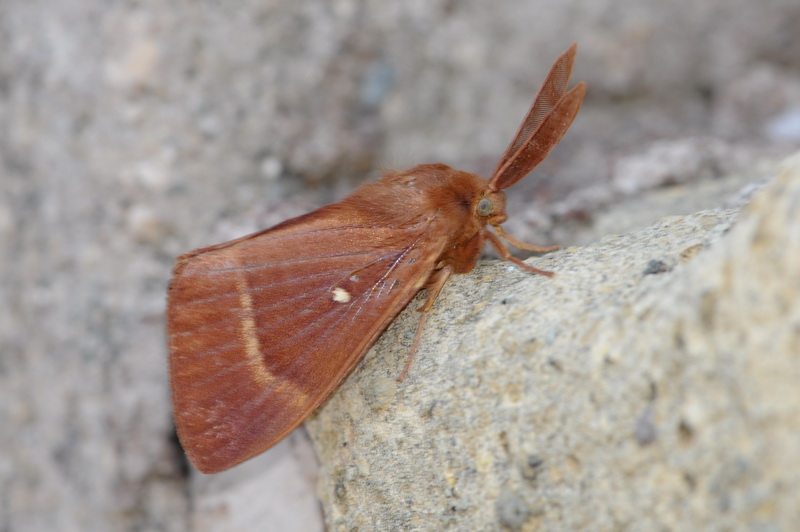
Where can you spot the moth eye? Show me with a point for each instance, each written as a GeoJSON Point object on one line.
{"type": "Point", "coordinates": [485, 207]}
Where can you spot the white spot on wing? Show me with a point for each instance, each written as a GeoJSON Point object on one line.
{"type": "Point", "coordinates": [340, 295]}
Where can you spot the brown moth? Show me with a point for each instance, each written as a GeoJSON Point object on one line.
{"type": "Point", "coordinates": [262, 329]}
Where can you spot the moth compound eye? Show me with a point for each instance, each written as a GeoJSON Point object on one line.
{"type": "Point", "coordinates": [485, 207]}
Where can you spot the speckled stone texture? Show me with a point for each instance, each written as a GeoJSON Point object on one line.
{"type": "Point", "coordinates": [651, 385]}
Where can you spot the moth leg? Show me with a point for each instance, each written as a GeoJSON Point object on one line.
{"type": "Point", "coordinates": [434, 285]}
{"type": "Point", "coordinates": [521, 245]}
{"type": "Point", "coordinates": [506, 255]}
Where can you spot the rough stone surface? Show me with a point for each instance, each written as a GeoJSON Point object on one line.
{"type": "Point", "coordinates": [612, 396]}
{"type": "Point", "coordinates": [135, 130]}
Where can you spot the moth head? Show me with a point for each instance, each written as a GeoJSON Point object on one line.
{"type": "Point", "coordinates": [491, 208]}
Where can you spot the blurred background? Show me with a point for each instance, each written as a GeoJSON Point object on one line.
{"type": "Point", "coordinates": [134, 131]}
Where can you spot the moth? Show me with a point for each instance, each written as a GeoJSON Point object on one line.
{"type": "Point", "coordinates": [262, 329]}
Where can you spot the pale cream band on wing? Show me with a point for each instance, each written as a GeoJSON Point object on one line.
{"type": "Point", "coordinates": [252, 350]}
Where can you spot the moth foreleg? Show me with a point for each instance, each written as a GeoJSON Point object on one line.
{"type": "Point", "coordinates": [506, 255]}
{"type": "Point", "coordinates": [522, 245]}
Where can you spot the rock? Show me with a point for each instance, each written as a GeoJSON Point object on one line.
{"type": "Point", "coordinates": [607, 397]}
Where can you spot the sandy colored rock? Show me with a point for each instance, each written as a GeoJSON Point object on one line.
{"type": "Point", "coordinates": [603, 398]}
